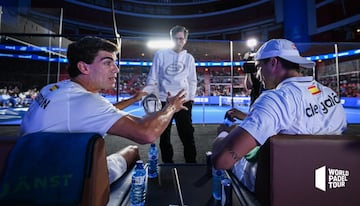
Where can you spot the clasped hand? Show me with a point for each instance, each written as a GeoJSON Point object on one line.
{"type": "Point", "coordinates": [235, 113]}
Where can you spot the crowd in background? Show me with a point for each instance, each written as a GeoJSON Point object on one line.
{"type": "Point", "coordinates": [218, 85]}
{"type": "Point", "coordinates": [12, 96]}
{"type": "Point", "coordinates": [349, 85]}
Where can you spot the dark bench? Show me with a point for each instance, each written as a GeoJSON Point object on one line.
{"type": "Point", "coordinates": [286, 171]}
{"type": "Point", "coordinates": [7, 143]}
{"type": "Point", "coordinates": [85, 158]}
{"type": "Point", "coordinates": [296, 170]}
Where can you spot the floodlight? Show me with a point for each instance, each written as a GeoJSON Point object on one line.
{"type": "Point", "coordinates": [160, 44]}
{"type": "Point", "coordinates": [251, 43]}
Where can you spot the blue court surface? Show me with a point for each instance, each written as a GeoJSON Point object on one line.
{"type": "Point", "coordinates": [208, 114]}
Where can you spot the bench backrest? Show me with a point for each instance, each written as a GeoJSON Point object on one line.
{"type": "Point", "coordinates": [80, 156]}
{"type": "Point", "coordinates": [6, 144]}
{"type": "Point", "coordinates": [309, 170]}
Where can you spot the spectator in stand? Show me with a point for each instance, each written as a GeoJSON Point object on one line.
{"type": "Point", "coordinates": [75, 105]}
{"type": "Point", "coordinates": [173, 70]}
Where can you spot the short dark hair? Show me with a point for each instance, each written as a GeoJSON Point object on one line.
{"type": "Point", "coordinates": [288, 64]}
{"type": "Point", "coordinates": [86, 50]}
{"type": "Point", "coordinates": [177, 29]}
{"type": "Point", "coordinates": [264, 60]}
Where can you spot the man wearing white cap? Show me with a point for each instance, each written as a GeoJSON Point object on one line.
{"type": "Point", "coordinates": [291, 104]}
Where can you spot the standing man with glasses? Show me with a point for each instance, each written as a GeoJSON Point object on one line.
{"type": "Point", "coordinates": [173, 70]}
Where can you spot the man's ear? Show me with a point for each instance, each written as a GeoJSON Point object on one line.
{"type": "Point", "coordinates": [274, 63]}
{"type": "Point", "coordinates": [83, 67]}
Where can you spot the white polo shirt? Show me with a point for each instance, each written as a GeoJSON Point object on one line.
{"type": "Point", "coordinates": [298, 105]}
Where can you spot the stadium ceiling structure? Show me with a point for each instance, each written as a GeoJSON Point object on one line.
{"type": "Point", "coordinates": [205, 19]}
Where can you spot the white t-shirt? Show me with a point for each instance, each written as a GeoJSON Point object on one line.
{"type": "Point", "coordinates": [67, 107]}
{"type": "Point", "coordinates": [297, 105]}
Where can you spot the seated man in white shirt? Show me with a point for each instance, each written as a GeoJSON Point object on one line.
{"type": "Point", "coordinates": [75, 105]}
{"type": "Point", "coordinates": [291, 104]}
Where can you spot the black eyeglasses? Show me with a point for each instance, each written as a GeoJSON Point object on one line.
{"type": "Point", "coordinates": [180, 38]}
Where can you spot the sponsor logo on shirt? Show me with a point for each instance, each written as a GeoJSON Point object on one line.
{"type": "Point", "coordinates": [324, 105]}
{"type": "Point", "coordinates": [175, 68]}
{"type": "Point", "coordinates": [42, 101]}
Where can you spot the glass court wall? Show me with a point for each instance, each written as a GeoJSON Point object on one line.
{"type": "Point", "coordinates": [29, 60]}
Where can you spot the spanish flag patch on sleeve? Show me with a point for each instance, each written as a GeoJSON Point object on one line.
{"type": "Point", "coordinates": [314, 90]}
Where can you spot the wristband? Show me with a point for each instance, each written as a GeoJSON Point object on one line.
{"type": "Point", "coordinates": [223, 134]}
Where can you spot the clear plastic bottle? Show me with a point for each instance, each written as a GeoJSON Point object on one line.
{"type": "Point", "coordinates": [217, 176]}
{"type": "Point", "coordinates": [153, 161]}
{"type": "Point", "coordinates": [137, 193]}
{"type": "Point", "coordinates": [226, 192]}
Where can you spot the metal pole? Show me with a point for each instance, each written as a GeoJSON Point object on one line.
{"type": "Point", "coordinates": [178, 187]}
{"type": "Point", "coordinates": [1, 12]}
{"type": "Point", "coordinates": [232, 73]}
{"type": "Point", "coordinates": [118, 41]}
{"type": "Point", "coordinates": [35, 46]}
{"type": "Point", "coordinates": [203, 108]}
{"type": "Point", "coordinates": [118, 75]}
{"type": "Point", "coordinates": [49, 63]}
{"type": "Point", "coordinates": [60, 42]}
{"type": "Point", "coordinates": [337, 69]}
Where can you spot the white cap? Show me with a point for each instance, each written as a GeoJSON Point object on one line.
{"type": "Point", "coordinates": [285, 49]}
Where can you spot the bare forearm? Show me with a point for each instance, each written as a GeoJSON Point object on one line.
{"type": "Point", "coordinates": [143, 130]}
{"type": "Point", "coordinates": [147, 129]}
{"type": "Point", "coordinates": [230, 149]}
{"type": "Point", "coordinates": [156, 123]}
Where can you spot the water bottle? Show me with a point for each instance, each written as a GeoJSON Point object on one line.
{"type": "Point", "coordinates": [226, 192]}
{"type": "Point", "coordinates": [217, 176]}
{"type": "Point", "coordinates": [153, 161]}
{"type": "Point", "coordinates": [137, 193]}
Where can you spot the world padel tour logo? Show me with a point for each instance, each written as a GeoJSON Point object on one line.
{"type": "Point", "coordinates": [330, 178]}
